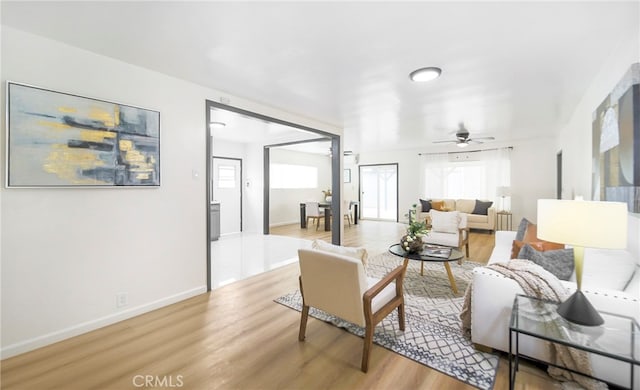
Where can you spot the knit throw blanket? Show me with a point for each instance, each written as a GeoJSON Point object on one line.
{"type": "Point", "coordinates": [535, 281]}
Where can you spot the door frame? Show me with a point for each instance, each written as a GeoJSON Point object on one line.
{"type": "Point", "coordinates": [559, 175]}
{"type": "Point", "coordinates": [397, 187]}
{"type": "Point", "coordinates": [241, 184]}
{"type": "Point", "coordinates": [336, 172]}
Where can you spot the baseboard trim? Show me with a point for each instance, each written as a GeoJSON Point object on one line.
{"type": "Point", "coordinates": [88, 326]}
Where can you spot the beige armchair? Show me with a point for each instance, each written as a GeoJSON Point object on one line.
{"type": "Point", "coordinates": [448, 228]}
{"type": "Point", "coordinates": [337, 284]}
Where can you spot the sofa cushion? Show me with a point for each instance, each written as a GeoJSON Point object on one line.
{"type": "Point", "coordinates": [356, 253]}
{"type": "Point", "coordinates": [425, 205]}
{"type": "Point", "coordinates": [444, 221]}
{"type": "Point", "coordinates": [475, 218]}
{"type": "Point", "coordinates": [607, 268]}
{"type": "Point", "coordinates": [540, 246]}
{"type": "Point", "coordinates": [481, 207]}
{"type": "Point", "coordinates": [465, 205]}
{"type": "Point", "coordinates": [633, 287]}
{"type": "Point", "coordinates": [559, 262]}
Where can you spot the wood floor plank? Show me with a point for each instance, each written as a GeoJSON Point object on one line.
{"type": "Point", "coordinates": [236, 337]}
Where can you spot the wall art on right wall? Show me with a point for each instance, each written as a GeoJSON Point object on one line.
{"type": "Point", "coordinates": [616, 143]}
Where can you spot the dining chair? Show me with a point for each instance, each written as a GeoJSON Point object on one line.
{"type": "Point", "coordinates": [313, 211]}
{"type": "Point", "coordinates": [337, 284]}
{"type": "Point", "coordinates": [346, 207]}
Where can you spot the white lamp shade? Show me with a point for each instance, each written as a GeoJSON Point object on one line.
{"type": "Point", "coordinates": [587, 224]}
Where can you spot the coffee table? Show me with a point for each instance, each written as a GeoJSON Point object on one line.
{"type": "Point", "coordinates": [455, 255]}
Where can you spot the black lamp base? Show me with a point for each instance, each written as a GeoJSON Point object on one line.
{"type": "Point", "coordinates": [578, 309]}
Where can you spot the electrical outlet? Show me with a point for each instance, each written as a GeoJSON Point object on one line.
{"type": "Point", "coordinates": [122, 299]}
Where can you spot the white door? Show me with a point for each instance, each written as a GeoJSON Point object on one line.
{"type": "Point", "coordinates": [379, 192]}
{"type": "Point", "coordinates": [227, 189]}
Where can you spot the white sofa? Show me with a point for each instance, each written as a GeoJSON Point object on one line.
{"type": "Point", "coordinates": [474, 221]}
{"type": "Point", "coordinates": [611, 281]}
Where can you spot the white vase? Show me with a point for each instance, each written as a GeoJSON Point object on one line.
{"type": "Point", "coordinates": [328, 199]}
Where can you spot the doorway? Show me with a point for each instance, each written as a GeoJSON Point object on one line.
{"type": "Point", "coordinates": [232, 126]}
{"type": "Point", "coordinates": [379, 192]}
{"type": "Point", "coordinates": [226, 189]}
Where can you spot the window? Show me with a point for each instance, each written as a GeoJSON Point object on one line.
{"type": "Point", "coordinates": [226, 176]}
{"type": "Point", "coordinates": [293, 176]}
{"type": "Point", "coordinates": [471, 175]}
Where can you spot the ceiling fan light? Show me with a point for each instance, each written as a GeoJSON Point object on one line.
{"type": "Point", "coordinates": [462, 144]}
{"type": "Point", "coordinates": [425, 74]}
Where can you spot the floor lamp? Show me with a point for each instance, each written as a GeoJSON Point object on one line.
{"type": "Point", "coordinates": [582, 224]}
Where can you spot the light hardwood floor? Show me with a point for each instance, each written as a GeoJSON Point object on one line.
{"type": "Point", "coordinates": [236, 337]}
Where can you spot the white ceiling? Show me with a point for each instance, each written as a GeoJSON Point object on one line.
{"type": "Point", "coordinates": [513, 70]}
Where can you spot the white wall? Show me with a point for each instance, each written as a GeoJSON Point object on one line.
{"type": "Point", "coordinates": [575, 137]}
{"type": "Point", "coordinates": [532, 174]}
{"type": "Point", "coordinates": [66, 253]}
{"type": "Point", "coordinates": [284, 204]}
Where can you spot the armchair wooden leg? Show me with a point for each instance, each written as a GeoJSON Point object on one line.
{"type": "Point", "coordinates": [401, 316]}
{"type": "Point", "coordinates": [368, 341]}
{"type": "Point", "coordinates": [303, 322]}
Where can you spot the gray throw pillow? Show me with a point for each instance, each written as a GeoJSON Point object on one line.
{"type": "Point", "coordinates": [522, 229]}
{"type": "Point", "coordinates": [481, 207]}
{"type": "Point", "coordinates": [425, 205]}
{"type": "Point", "coordinates": [559, 262]}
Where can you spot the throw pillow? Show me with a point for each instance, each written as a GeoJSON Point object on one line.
{"type": "Point", "coordinates": [425, 205]}
{"type": "Point", "coordinates": [539, 245]}
{"type": "Point", "coordinates": [437, 204]}
{"type": "Point", "coordinates": [522, 228]}
{"type": "Point", "coordinates": [482, 207]}
{"type": "Point", "coordinates": [356, 253]}
{"type": "Point", "coordinates": [444, 221]}
{"type": "Point", "coordinates": [559, 262]}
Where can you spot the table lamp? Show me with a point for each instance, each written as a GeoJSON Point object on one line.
{"type": "Point", "coordinates": [503, 192]}
{"type": "Point", "coordinates": [582, 224]}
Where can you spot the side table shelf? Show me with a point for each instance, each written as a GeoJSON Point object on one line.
{"type": "Point", "coordinates": [617, 340]}
{"type": "Point", "coordinates": [504, 220]}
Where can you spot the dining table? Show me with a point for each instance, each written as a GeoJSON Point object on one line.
{"type": "Point", "coordinates": [326, 206]}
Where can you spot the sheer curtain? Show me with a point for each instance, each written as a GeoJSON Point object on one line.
{"type": "Point", "coordinates": [470, 175]}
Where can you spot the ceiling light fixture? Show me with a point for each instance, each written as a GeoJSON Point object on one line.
{"type": "Point", "coordinates": [425, 74]}
{"type": "Point", "coordinates": [462, 144]}
{"type": "Point", "coordinates": [217, 125]}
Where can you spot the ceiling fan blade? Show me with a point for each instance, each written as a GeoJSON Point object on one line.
{"type": "Point", "coordinates": [444, 141]}
{"type": "Point", "coordinates": [475, 141]}
{"type": "Point", "coordinates": [485, 138]}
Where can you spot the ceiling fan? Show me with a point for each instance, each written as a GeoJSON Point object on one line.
{"type": "Point", "coordinates": [462, 138]}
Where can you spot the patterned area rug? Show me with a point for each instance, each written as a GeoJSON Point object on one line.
{"type": "Point", "coordinates": [432, 334]}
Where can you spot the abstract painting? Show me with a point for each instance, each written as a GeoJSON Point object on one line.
{"type": "Point", "coordinates": [58, 140]}
{"type": "Point", "coordinates": [616, 143]}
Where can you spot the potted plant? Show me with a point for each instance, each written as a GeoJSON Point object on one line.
{"type": "Point", "coordinates": [412, 241]}
{"type": "Point", "coordinates": [327, 195]}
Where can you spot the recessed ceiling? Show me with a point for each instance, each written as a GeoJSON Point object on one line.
{"type": "Point", "coordinates": [512, 70]}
